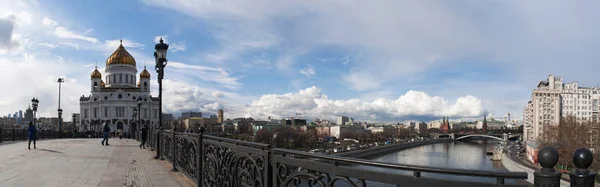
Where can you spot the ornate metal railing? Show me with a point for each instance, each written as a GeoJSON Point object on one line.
{"type": "Point", "coordinates": [216, 161]}
{"type": "Point", "coordinates": [17, 134]}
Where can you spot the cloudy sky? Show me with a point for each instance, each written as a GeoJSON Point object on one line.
{"type": "Point", "coordinates": [371, 60]}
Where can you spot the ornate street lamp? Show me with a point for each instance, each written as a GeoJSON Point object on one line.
{"type": "Point", "coordinates": [160, 56]}
{"type": "Point", "coordinates": [60, 81]}
{"type": "Point", "coordinates": [34, 104]}
{"type": "Point", "coordinates": [139, 120]}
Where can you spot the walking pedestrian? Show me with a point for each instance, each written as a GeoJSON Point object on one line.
{"type": "Point", "coordinates": [105, 134]}
{"type": "Point", "coordinates": [32, 135]}
{"type": "Point", "coordinates": [144, 136]}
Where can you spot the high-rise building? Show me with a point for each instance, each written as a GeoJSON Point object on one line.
{"type": "Point", "coordinates": [20, 116]}
{"type": "Point", "coordinates": [552, 100]}
{"type": "Point", "coordinates": [220, 116]}
{"type": "Point", "coordinates": [342, 120]}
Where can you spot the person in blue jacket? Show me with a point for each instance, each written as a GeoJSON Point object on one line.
{"type": "Point", "coordinates": [32, 135]}
{"type": "Point", "coordinates": [105, 135]}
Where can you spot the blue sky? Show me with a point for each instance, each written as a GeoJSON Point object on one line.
{"type": "Point", "coordinates": [377, 61]}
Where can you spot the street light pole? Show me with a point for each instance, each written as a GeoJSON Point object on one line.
{"type": "Point", "coordinates": [139, 123]}
{"type": "Point", "coordinates": [60, 81]}
{"type": "Point", "coordinates": [160, 56]}
{"type": "Point", "coordinates": [34, 104]}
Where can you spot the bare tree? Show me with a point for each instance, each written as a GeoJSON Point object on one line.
{"type": "Point", "coordinates": [263, 136]}
{"type": "Point", "coordinates": [566, 137]}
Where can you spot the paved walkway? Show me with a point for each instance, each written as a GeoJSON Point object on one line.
{"type": "Point", "coordinates": [85, 163]}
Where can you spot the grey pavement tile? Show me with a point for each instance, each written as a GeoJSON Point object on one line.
{"type": "Point", "coordinates": [82, 163]}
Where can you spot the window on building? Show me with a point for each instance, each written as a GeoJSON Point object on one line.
{"type": "Point", "coordinates": [120, 78]}
{"type": "Point", "coordinates": [95, 112]}
{"type": "Point", "coordinates": [85, 113]}
{"type": "Point", "coordinates": [127, 79]}
{"type": "Point", "coordinates": [105, 111]}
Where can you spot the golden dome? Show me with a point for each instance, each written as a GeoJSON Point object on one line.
{"type": "Point", "coordinates": [120, 56]}
{"type": "Point", "coordinates": [145, 73]}
{"type": "Point", "coordinates": [139, 84]}
{"type": "Point", "coordinates": [96, 74]}
{"type": "Point", "coordinates": [102, 84]}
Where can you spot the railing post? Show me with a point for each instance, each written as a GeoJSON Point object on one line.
{"type": "Point", "coordinates": [174, 152]}
{"type": "Point", "coordinates": [200, 151]}
{"type": "Point", "coordinates": [13, 134]}
{"type": "Point", "coordinates": [161, 151]}
{"type": "Point", "coordinates": [547, 176]}
{"type": "Point", "coordinates": [582, 176]}
{"type": "Point", "coordinates": [150, 139]}
{"type": "Point", "coordinates": [1, 133]}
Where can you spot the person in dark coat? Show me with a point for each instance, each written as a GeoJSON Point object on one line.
{"type": "Point", "coordinates": [32, 135]}
{"type": "Point", "coordinates": [144, 136]}
{"type": "Point", "coordinates": [105, 134]}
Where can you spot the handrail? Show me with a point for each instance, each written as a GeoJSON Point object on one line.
{"type": "Point", "coordinates": [481, 173]}
{"type": "Point", "coordinates": [239, 142]}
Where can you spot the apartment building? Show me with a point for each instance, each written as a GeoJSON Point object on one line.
{"type": "Point", "coordinates": [552, 99]}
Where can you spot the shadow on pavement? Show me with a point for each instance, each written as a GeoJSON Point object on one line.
{"type": "Point", "coordinates": [52, 151]}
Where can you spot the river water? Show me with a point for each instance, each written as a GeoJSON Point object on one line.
{"type": "Point", "coordinates": [464, 155]}
{"type": "Point", "coordinates": [458, 155]}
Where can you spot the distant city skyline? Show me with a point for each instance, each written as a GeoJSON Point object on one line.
{"type": "Point", "coordinates": [374, 61]}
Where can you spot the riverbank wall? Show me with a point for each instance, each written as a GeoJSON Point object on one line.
{"type": "Point", "coordinates": [513, 166]}
{"type": "Point", "coordinates": [374, 151]}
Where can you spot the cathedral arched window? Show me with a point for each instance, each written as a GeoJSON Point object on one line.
{"type": "Point", "coordinates": [95, 85]}
{"type": "Point", "coordinates": [145, 85]}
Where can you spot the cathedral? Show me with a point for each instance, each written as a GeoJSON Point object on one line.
{"type": "Point", "coordinates": [114, 97]}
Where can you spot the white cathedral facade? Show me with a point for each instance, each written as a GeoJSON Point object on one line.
{"type": "Point", "coordinates": [114, 96]}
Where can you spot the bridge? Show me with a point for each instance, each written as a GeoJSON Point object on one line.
{"type": "Point", "coordinates": [197, 159]}
{"type": "Point", "coordinates": [500, 137]}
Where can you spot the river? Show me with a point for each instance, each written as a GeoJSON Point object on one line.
{"type": "Point", "coordinates": [465, 155]}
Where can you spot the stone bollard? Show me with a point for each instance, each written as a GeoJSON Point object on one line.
{"type": "Point", "coordinates": [582, 176]}
{"type": "Point", "coordinates": [547, 176]}
{"type": "Point", "coordinates": [200, 151]}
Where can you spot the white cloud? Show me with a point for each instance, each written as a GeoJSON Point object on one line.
{"type": "Point", "coordinates": [185, 96]}
{"type": "Point", "coordinates": [76, 46]}
{"type": "Point", "coordinates": [308, 71]}
{"type": "Point", "coordinates": [39, 74]}
{"type": "Point", "coordinates": [177, 46]}
{"type": "Point", "coordinates": [217, 94]}
{"type": "Point", "coordinates": [63, 32]}
{"type": "Point", "coordinates": [49, 22]}
{"type": "Point", "coordinates": [157, 38]}
{"type": "Point", "coordinates": [9, 40]}
{"type": "Point", "coordinates": [114, 44]}
{"type": "Point", "coordinates": [311, 102]}
{"type": "Point", "coordinates": [209, 74]}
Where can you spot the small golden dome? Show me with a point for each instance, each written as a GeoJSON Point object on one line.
{"type": "Point", "coordinates": [139, 84]}
{"type": "Point", "coordinates": [96, 74]}
{"type": "Point", "coordinates": [145, 73]}
{"type": "Point", "coordinates": [102, 84]}
{"type": "Point", "coordinates": [120, 56]}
